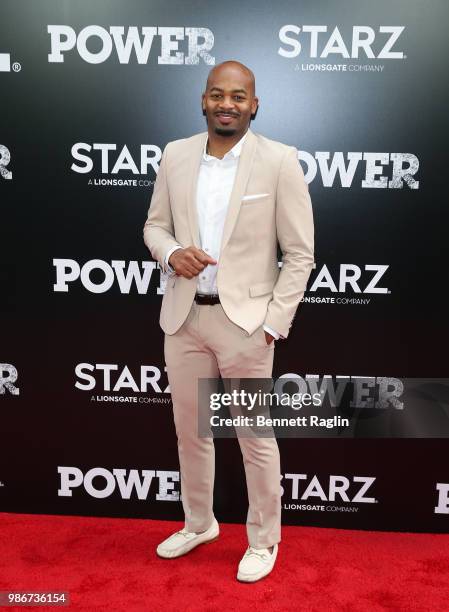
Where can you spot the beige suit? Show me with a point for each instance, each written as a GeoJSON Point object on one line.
{"type": "Point", "coordinates": [227, 339]}
{"type": "Point", "coordinates": [251, 289]}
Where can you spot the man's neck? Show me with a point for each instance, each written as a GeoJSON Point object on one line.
{"type": "Point", "coordinates": [218, 145]}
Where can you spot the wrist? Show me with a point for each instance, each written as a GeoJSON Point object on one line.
{"type": "Point", "coordinates": [169, 264]}
{"type": "Point", "coordinates": [172, 259]}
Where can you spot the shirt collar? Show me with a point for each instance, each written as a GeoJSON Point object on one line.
{"type": "Point", "coordinates": [234, 152]}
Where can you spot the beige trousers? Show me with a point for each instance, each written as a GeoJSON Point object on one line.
{"type": "Point", "coordinates": [209, 345]}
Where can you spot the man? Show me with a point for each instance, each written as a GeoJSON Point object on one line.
{"type": "Point", "coordinates": [222, 201]}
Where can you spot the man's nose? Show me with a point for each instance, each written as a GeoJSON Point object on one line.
{"type": "Point", "coordinates": [227, 104]}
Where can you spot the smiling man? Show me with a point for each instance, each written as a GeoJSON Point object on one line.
{"type": "Point", "coordinates": [223, 201]}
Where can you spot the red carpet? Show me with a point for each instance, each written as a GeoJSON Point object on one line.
{"type": "Point", "coordinates": [110, 564]}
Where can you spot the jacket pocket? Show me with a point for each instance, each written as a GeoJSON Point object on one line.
{"type": "Point", "coordinates": [254, 196]}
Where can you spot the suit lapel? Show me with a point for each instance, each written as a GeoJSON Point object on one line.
{"type": "Point", "coordinates": [194, 168]}
{"type": "Point", "coordinates": [238, 190]}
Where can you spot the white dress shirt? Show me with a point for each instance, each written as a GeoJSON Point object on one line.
{"type": "Point", "coordinates": [215, 182]}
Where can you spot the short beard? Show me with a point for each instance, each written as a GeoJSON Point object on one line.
{"type": "Point", "coordinates": [224, 132]}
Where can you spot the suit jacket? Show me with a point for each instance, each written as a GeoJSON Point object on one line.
{"type": "Point", "coordinates": [252, 289]}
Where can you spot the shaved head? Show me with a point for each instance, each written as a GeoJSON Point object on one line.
{"type": "Point", "coordinates": [232, 66]}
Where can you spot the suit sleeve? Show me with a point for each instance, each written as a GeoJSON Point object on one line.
{"type": "Point", "coordinates": [158, 231]}
{"type": "Point", "coordinates": [295, 234]}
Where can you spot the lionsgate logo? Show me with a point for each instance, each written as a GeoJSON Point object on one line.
{"type": "Point", "coordinates": [8, 378]}
{"type": "Point", "coordinates": [442, 506]}
{"type": "Point", "coordinates": [94, 44]}
{"type": "Point", "coordinates": [334, 46]}
{"type": "Point", "coordinates": [98, 482]}
{"type": "Point", "coordinates": [5, 159]}
{"type": "Point", "coordinates": [347, 284]}
{"type": "Point", "coordinates": [309, 493]}
{"type": "Point", "coordinates": [112, 382]}
{"type": "Point", "coordinates": [112, 165]}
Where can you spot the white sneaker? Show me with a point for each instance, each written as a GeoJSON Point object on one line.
{"type": "Point", "coordinates": [183, 541]}
{"type": "Point", "coordinates": [256, 563]}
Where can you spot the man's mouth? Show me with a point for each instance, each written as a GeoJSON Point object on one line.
{"type": "Point", "coordinates": [225, 118]}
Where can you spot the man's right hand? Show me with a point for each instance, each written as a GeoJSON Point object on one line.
{"type": "Point", "coordinates": [190, 262]}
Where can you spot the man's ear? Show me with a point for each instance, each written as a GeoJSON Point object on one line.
{"type": "Point", "coordinates": [203, 104]}
{"type": "Point", "coordinates": [253, 115]}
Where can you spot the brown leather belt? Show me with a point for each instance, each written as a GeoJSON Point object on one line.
{"type": "Point", "coordinates": [205, 298]}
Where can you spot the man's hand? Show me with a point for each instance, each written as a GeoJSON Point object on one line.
{"type": "Point", "coordinates": [189, 262]}
{"type": "Point", "coordinates": [268, 338]}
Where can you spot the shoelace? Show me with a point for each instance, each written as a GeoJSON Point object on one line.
{"type": "Point", "coordinates": [253, 551]}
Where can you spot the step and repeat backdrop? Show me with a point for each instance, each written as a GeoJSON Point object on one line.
{"type": "Point", "coordinates": [90, 95]}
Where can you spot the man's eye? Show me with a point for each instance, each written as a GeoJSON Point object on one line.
{"type": "Point", "coordinates": [215, 95]}
{"type": "Point", "coordinates": [238, 97]}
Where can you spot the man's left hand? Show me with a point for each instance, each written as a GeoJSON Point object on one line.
{"type": "Point", "coordinates": [268, 338]}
